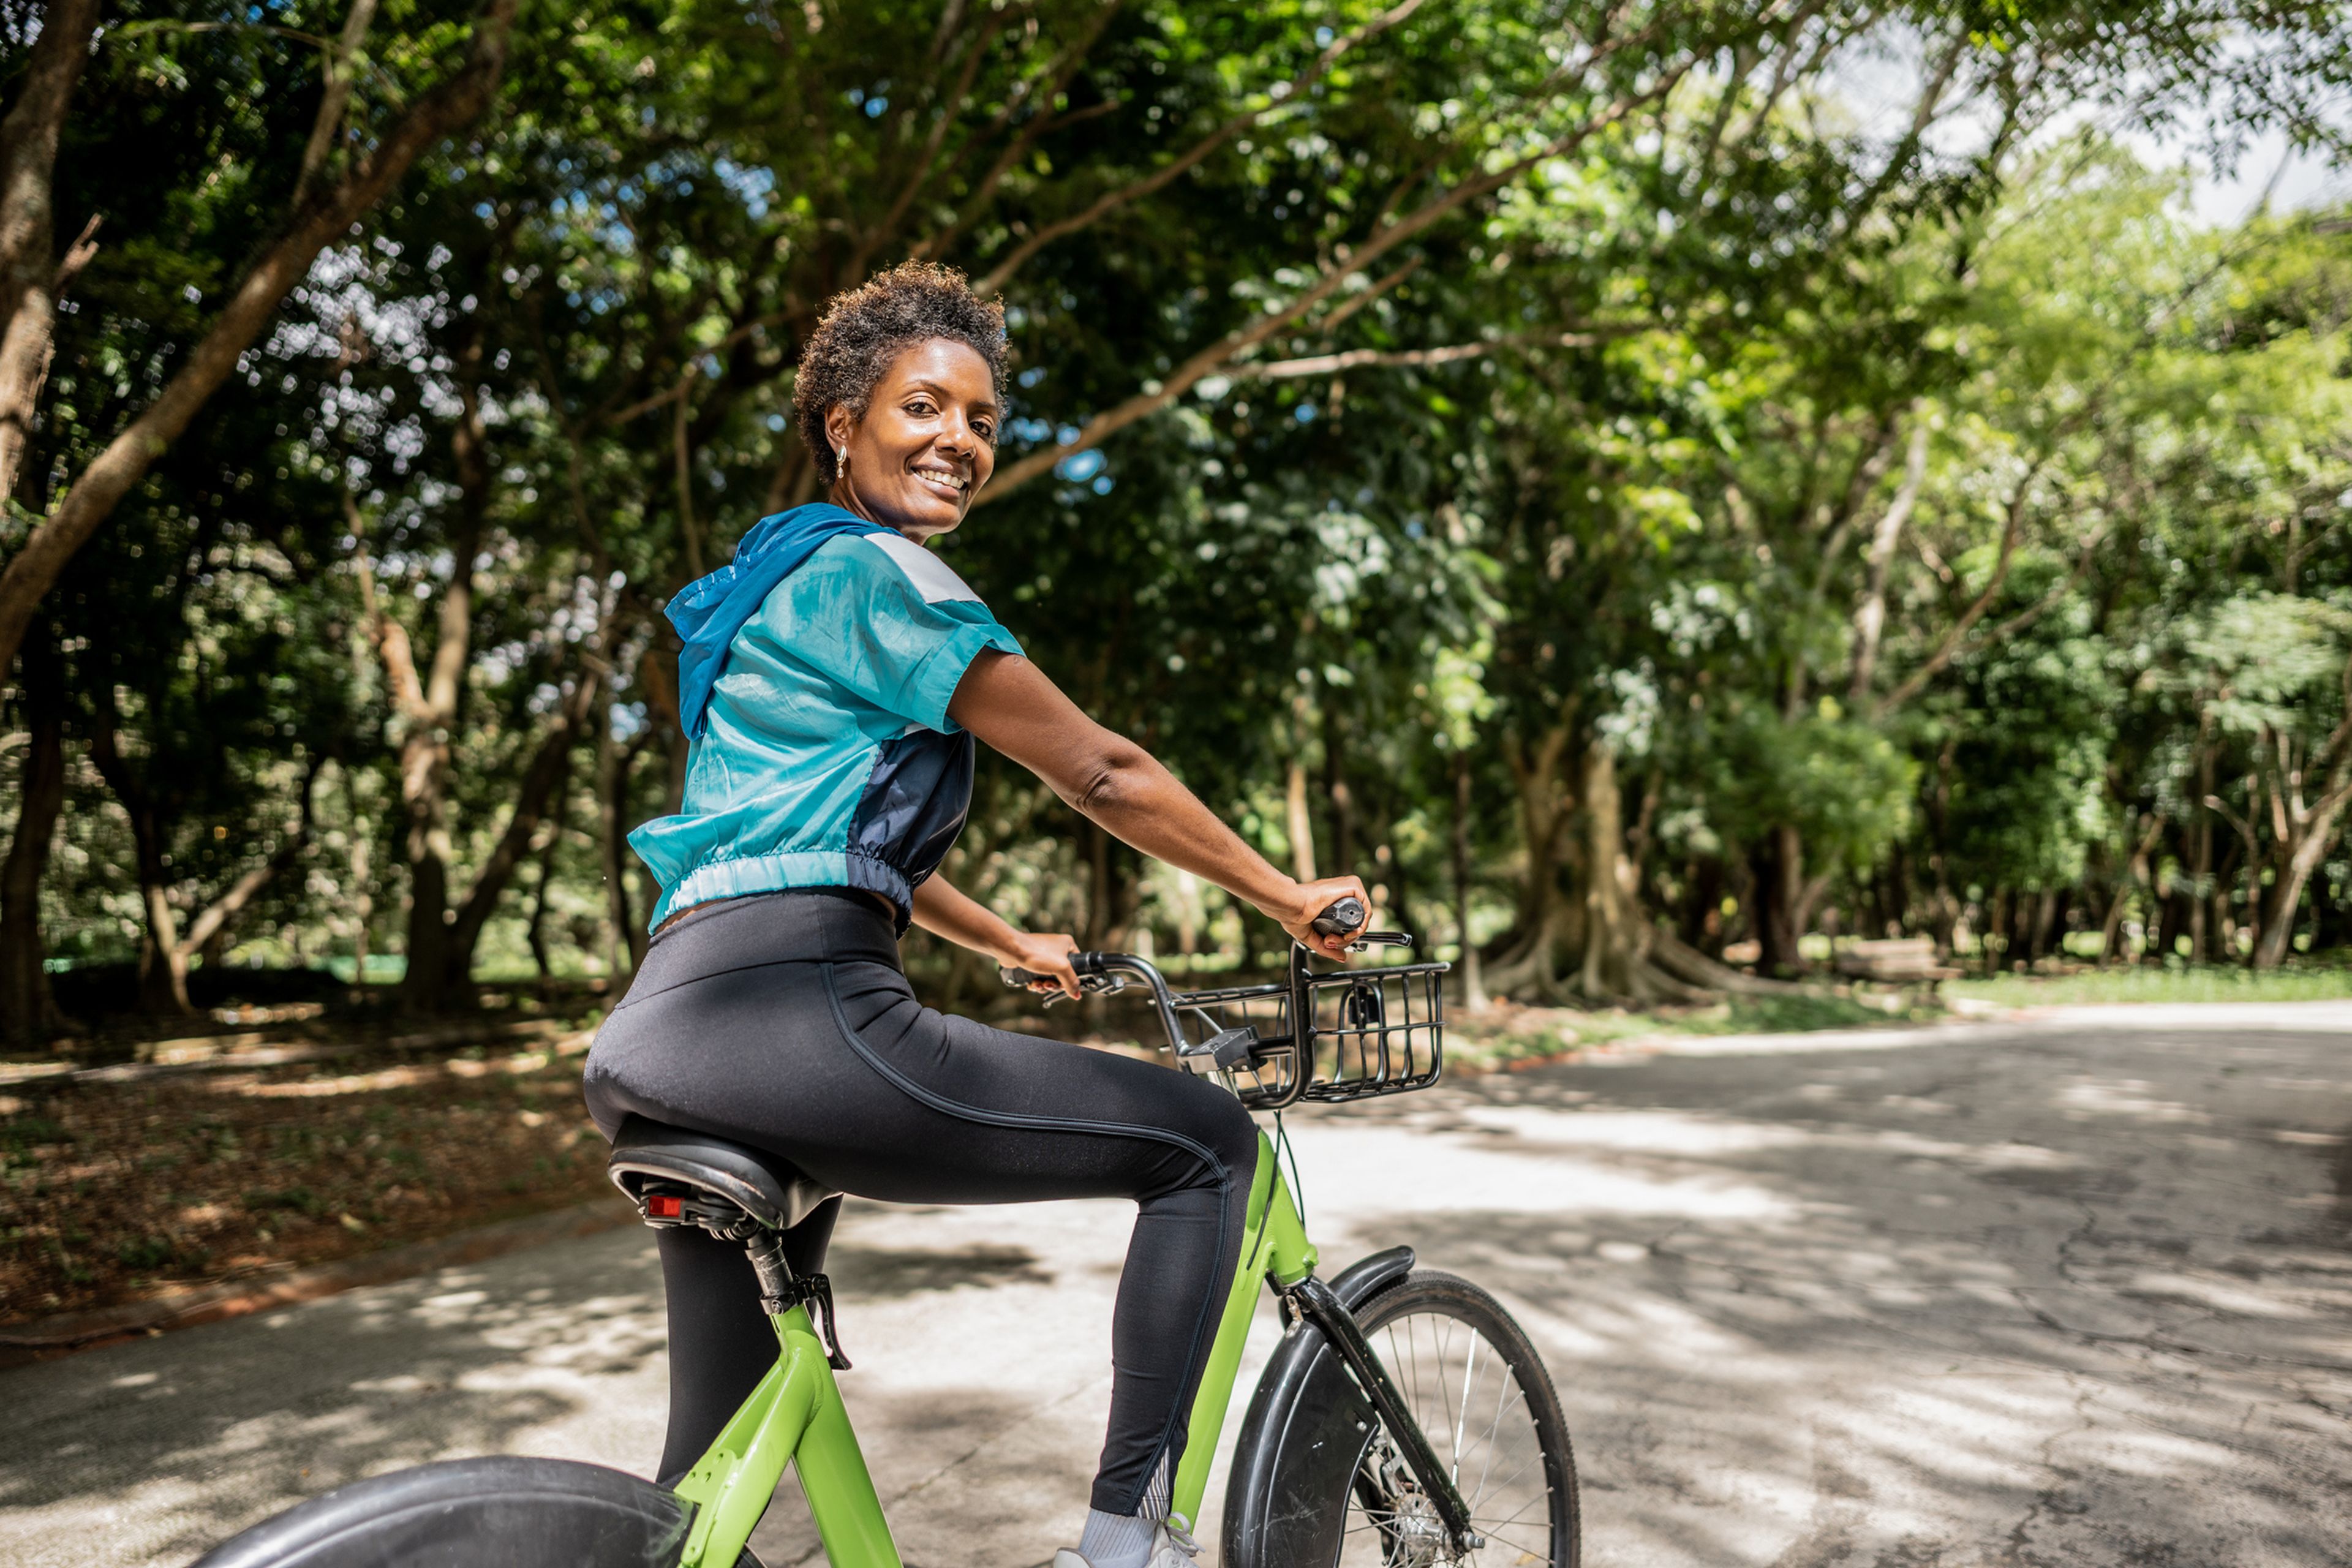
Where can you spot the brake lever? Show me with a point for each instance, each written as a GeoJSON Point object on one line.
{"type": "Point", "coordinates": [1092, 984]}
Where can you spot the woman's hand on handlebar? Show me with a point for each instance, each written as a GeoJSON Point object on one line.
{"type": "Point", "coordinates": [1310, 900]}
{"type": "Point", "coordinates": [1044, 953]}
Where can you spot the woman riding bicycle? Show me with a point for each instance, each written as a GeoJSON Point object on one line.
{"type": "Point", "coordinates": [834, 677]}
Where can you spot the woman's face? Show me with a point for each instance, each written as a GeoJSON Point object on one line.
{"type": "Point", "coordinates": [925, 445]}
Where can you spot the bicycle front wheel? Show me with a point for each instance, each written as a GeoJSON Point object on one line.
{"type": "Point", "coordinates": [1326, 1486]}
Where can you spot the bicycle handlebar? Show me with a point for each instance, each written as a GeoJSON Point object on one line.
{"type": "Point", "coordinates": [1344, 918]}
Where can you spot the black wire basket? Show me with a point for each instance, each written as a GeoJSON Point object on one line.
{"type": "Point", "coordinates": [1368, 1032]}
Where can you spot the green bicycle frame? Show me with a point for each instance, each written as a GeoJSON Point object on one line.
{"type": "Point", "coordinates": [795, 1415]}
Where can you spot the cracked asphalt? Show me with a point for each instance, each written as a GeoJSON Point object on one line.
{"type": "Point", "coordinates": [2075, 1291]}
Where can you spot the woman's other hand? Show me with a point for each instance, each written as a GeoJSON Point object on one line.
{"type": "Point", "coordinates": [1044, 953]}
{"type": "Point", "coordinates": [1310, 900]}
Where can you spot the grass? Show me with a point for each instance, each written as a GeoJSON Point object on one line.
{"type": "Point", "coordinates": [1506, 1035]}
{"type": "Point", "coordinates": [2315, 983]}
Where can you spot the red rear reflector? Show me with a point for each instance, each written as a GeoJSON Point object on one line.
{"type": "Point", "coordinates": [662, 1205]}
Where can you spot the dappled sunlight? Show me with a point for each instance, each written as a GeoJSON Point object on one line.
{"type": "Point", "coordinates": [1796, 1321]}
{"type": "Point", "coordinates": [2074, 1322]}
{"type": "Point", "coordinates": [2126, 1097]}
{"type": "Point", "coordinates": [506, 1358]}
{"type": "Point", "coordinates": [1349, 1169]}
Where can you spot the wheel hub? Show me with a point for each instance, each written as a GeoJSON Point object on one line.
{"type": "Point", "coordinates": [1415, 1534]}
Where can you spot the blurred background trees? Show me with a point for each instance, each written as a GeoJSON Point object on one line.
{"type": "Point", "coordinates": [1658, 489]}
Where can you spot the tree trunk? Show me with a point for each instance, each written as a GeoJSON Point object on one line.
{"type": "Point", "coordinates": [1110, 889]}
{"type": "Point", "coordinates": [1780, 900]}
{"type": "Point", "coordinates": [543, 782]}
{"type": "Point", "coordinates": [2046, 914]}
{"type": "Point", "coordinates": [1617, 939]}
{"type": "Point", "coordinates": [1546, 924]}
{"type": "Point", "coordinates": [2310, 829]}
{"type": "Point", "coordinates": [2139, 876]}
{"type": "Point", "coordinates": [2328, 911]}
{"type": "Point", "coordinates": [2221, 925]}
{"type": "Point", "coordinates": [1870, 618]}
{"type": "Point", "coordinates": [2200, 853]}
{"type": "Point", "coordinates": [2176, 917]}
{"type": "Point", "coordinates": [430, 706]}
{"type": "Point", "coordinates": [29, 275]}
{"type": "Point", "coordinates": [1342, 799]}
{"type": "Point", "coordinates": [163, 961]}
{"type": "Point", "coordinates": [535, 932]}
{"type": "Point", "coordinates": [1298, 824]}
{"type": "Point", "coordinates": [616, 764]}
{"type": "Point", "coordinates": [115, 472]}
{"type": "Point", "coordinates": [1474, 987]}
{"type": "Point", "coordinates": [363, 899]}
{"type": "Point", "coordinates": [424, 769]}
{"type": "Point", "coordinates": [28, 1012]}
{"type": "Point", "coordinates": [1702, 923]}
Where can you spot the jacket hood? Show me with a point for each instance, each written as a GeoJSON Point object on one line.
{"type": "Point", "coordinates": [709, 611]}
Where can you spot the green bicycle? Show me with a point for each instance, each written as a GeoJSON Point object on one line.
{"type": "Point", "coordinates": [1404, 1421]}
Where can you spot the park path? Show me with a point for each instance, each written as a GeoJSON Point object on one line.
{"type": "Point", "coordinates": [2072, 1291]}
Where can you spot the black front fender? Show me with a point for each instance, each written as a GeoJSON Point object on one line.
{"type": "Point", "coordinates": [1305, 1429]}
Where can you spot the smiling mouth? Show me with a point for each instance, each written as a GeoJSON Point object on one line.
{"type": "Point", "coordinates": [945, 480]}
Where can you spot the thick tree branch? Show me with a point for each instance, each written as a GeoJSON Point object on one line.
{"type": "Point", "coordinates": [1353, 359]}
{"type": "Point", "coordinates": [1057, 76]}
{"type": "Point", "coordinates": [1335, 273]}
{"type": "Point", "coordinates": [1870, 619]}
{"type": "Point", "coordinates": [335, 70]}
{"type": "Point", "coordinates": [28, 280]}
{"type": "Point", "coordinates": [241, 892]}
{"type": "Point", "coordinates": [693, 372]}
{"type": "Point", "coordinates": [109, 477]}
{"type": "Point", "coordinates": [1949, 647]}
{"type": "Point", "coordinates": [943, 119]}
{"type": "Point", "coordinates": [544, 781]}
{"type": "Point", "coordinates": [1111, 201]}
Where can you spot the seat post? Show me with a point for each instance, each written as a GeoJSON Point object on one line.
{"type": "Point", "coordinates": [781, 1291]}
{"type": "Point", "coordinates": [766, 1250]}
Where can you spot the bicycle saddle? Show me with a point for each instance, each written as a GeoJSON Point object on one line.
{"type": "Point", "coordinates": [768, 1187]}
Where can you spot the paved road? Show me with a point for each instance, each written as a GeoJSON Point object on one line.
{"type": "Point", "coordinates": [2071, 1293]}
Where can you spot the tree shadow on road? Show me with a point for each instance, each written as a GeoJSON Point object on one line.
{"type": "Point", "coordinates": [239, 1419]}
{"type": "Point", "coordinates": [2020, 1301]}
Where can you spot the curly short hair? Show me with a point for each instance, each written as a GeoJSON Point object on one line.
{"type": "Point", "coordinates": [865, 328]}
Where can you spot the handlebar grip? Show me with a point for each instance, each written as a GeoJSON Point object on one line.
{"type": "Point", "coordinates": [1342, 919]}
{"type": "Point", "coordinates": [1019, 976]}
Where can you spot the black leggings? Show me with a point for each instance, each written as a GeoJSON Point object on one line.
{"type": "Point", "coordinates": [784, 1021]}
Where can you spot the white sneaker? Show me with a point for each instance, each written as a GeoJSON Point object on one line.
{"type": "Point", "coordinates": [1172, 1546]}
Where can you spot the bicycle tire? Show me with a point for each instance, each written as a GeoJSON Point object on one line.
{"type": "Point", "coordinates": [496, 1513]}
{"type": "Point", "coordinates": [1293, 1500]}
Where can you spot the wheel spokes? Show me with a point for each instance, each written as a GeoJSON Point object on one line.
{"type": "Point", "coordinates": [1491, 1445]}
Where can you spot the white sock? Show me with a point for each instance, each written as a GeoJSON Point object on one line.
{"type": "Point", "coordinates": [1116, 1539]}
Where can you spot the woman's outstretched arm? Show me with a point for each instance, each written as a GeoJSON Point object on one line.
{"type": "Point", "coordinates": [1008, 702]}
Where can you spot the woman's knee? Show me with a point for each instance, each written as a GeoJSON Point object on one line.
{"type": "Point", "coordinates": [1231, 1136]}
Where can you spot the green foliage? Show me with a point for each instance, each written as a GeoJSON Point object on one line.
{"type": "Point", "coordinates": [1843, 785]}
{"type": "Point", "coordinates": [1617, 451]}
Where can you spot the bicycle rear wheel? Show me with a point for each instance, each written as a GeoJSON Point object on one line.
{"type": "Point", "coordinates": [1326, 1489]}
{"type": "Point", "coordinates": [498, 1512]}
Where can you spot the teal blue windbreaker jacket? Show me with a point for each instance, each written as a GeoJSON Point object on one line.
{"type": "Point", "coordinates": [822, 755]}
